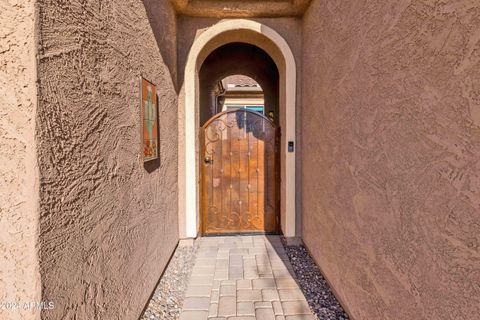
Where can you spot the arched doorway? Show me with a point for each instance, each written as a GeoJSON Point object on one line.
{"type": "Point", "coordinates": [239, 191]}
{"type": "Point", "coordinates": [238, 61]}
{"type": "Point", "coordinates": [265, 38]}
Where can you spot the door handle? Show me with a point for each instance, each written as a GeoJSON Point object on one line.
{"type": "Point", "coordinates": [208, 160]}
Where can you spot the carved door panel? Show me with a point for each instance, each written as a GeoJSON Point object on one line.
{"type": "Point", "coordinates": [239, 174]}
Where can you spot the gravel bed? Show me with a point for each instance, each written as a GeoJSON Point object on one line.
{"type": "Point", "coordinates": [316, 289]}
{"type": "Point", "coordinates": [167, 301]}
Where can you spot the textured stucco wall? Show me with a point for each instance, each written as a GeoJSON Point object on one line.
{"type": "Point", "coordinates": [108, 222]}
{"type": "Point", "coordinates": [19, 274]}
{"type": "Point", "coordinates": [391, 168]}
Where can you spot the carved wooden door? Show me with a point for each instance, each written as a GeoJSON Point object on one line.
{"type": "Point", "coordinates": [239, 174]}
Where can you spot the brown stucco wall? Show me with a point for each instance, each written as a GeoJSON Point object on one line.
{"type": "Point", "coordinates": [391, 168]}
{"type": "Point", "coordinates": [19, 274]}
{"type": "Point", "coordinates": [108, 222]}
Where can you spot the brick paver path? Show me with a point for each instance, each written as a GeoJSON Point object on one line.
{"type": "Point", "coordinates": [243, 278]}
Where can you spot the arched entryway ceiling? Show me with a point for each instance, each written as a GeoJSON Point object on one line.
{"type": "Point", "coordinates": [264, 37]}
{"type": "Point", "coordinates": [222, 8]}
{"type": "Point", "coordinates": [238, 58]}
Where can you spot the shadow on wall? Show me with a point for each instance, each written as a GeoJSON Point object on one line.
{"type": "Point", "coordinates": [163, 21]}
{"type": "Point", "coordinates": [152, 165]}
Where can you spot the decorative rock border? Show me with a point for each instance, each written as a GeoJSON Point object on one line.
{"type": "Point", "coordinates": [167, 301]}
{"type": "Point", "coordinates": [316, 289]}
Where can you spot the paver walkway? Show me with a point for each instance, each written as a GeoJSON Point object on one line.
{"type": "Point", "coordinates": [243, 278]}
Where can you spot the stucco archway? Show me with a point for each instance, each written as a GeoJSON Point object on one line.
{"type": "Point", "coordinates": [238, 59]}
{"type": "Point", "coordinates": [227, 31]}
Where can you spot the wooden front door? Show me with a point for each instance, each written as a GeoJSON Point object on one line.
{"type": "Point", "coordinates": [239, 164]}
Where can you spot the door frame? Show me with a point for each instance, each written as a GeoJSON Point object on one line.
{"type": "Point", "coordinates": [264, 37]}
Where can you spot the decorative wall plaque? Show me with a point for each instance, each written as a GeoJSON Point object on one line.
{"type": "Point", "coordinates": [149, 113]}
